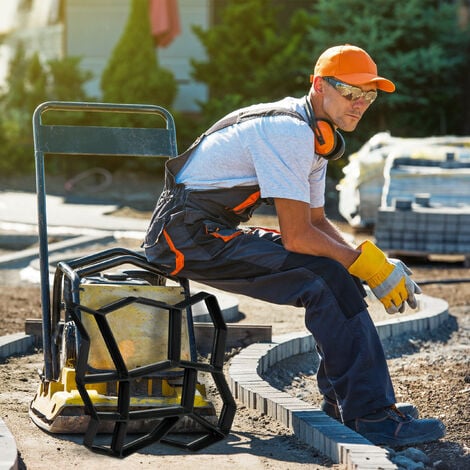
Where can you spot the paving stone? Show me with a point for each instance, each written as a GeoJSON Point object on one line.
{"type": "Point", "coordinates": [17, 343]}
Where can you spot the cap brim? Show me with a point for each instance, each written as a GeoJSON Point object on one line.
{"type": "Point", "coordinates": [366, 78]}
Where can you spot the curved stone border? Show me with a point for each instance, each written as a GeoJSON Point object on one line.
{"type": "Point", "coordinates": [311, 425]}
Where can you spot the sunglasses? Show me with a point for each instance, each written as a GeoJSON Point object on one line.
{"type": "Point", "coordinates": [350, 92]}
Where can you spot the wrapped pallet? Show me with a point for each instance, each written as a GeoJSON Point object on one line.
{"type": "Point", "coordinates": [387, 167]}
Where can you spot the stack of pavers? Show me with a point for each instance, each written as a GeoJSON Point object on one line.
{"type": "Point", "coordinates": [418, 227]}
{"type": "Point", "coordinates": [425, 223]}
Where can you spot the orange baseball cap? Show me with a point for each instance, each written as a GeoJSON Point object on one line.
{"type": "Point", "coordinates": [352, 65]}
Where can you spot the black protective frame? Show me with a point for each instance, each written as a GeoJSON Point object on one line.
{"type": "Point", "coordinates": [64, 301]}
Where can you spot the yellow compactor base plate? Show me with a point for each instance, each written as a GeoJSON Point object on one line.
{"type": "Point", "coordinates": [58, 408]}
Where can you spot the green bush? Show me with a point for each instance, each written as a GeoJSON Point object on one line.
{"type": "Point", "coordinates": [133, 74]}
{"type": "Point", "coordinates": [53, 80]}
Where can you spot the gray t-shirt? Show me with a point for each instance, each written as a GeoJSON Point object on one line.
{"type": "Point", "coordinates": [275, 152]}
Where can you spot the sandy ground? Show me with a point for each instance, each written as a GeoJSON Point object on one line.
{"type": "Point", "coordinates": [433, 372]}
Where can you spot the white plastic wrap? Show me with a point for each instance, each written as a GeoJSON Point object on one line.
{"type": "Point", "coordinates": [384, 169]}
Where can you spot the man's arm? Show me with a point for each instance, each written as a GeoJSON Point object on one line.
{"type": "Point", "coordinates": [319, 220]}
{"type": "Point", "coordinates": [308, 231]}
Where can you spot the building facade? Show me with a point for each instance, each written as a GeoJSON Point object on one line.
{"type": "Point", "coordinates": [90, 29]}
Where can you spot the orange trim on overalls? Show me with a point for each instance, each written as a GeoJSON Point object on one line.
{"type": "Point", "coordinates": [249, 201]}
{"type": "Point", "coordinates": [225, 238]}
{"type": "Point", "coordinates": [179, 257]}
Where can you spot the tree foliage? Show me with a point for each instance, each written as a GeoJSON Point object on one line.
{"type": "Point", "coordinates": [418, 44]}
{"type": "Point", "coordinates": [133, 74]}
{"type": "Point", "coordinates": [251, 57]}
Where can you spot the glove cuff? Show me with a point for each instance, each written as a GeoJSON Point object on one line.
{"type": "Point", "coordinates": [370, 264]}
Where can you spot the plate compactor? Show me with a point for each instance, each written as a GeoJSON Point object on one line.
{"type": "Point", "coordinates": [120, 356]}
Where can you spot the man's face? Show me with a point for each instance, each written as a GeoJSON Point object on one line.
{"type": "Point", "coordinates": [343, 112]}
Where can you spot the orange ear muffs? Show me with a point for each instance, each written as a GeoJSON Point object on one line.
{"type": "Point", "coordinates": [329, 143]}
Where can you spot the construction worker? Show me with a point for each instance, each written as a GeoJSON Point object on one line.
{"type": "Point", "coordinates": [278, 152]}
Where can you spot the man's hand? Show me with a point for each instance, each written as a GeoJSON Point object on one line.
{"type": "Point", "coordinates": [388, 278]}
{"type": "Point", "coordinates": [411, 286]}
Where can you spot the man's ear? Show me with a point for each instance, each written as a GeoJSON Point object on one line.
{"type": "Point", "coordinates": [318, 84]}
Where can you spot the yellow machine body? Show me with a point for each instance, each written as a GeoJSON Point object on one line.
{"type": "Point", "coordinates": [141, 332]}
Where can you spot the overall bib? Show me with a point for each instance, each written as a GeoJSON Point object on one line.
{"type": "Point", "coordinates": [196, 234]}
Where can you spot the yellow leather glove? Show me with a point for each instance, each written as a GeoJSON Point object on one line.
{"type": "Point", "coordinates": [388, 279]}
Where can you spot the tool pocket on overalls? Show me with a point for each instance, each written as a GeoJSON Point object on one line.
{"type": "Point", "coordinates": [153, 233]}
{"type": "Point", "coordinates": [220, 231]}
{"type": "Point", "coordinates": [168, 204]}
{"type": "Point", "coordinates": [160, 247]}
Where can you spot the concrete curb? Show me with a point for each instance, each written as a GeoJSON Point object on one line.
{"type": "Point", "coordinates": [310, 424]}
{"type": "Point", "coordinates": [30, 254]}
{"type": "Point", "coordinates": [11, 345]}
{"type": "Point", "coordinates": [17, 343]}
{"type": "Point", "coordinates": [8, 450]}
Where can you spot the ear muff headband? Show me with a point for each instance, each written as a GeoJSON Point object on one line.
{"type": "Point", "coordinates": [329, 143]}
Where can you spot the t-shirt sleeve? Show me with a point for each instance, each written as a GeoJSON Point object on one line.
{"type": "Point", "coordinates": [283, 153]}
{"type": "Point", "coordinates": [317, 181]}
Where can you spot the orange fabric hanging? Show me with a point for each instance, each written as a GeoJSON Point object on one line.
{"type": "Point", "coordinates": [164, 21]}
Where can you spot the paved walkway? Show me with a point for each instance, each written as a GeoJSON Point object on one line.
{"type": "Point", "coordinates": [20, 209]}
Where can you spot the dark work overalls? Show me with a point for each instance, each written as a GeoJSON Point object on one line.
{"type": "Point", "coordinates": [196, 234]}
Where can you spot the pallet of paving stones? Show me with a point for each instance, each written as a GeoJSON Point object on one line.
{"type": "Point", "coordinates": [420, 228]}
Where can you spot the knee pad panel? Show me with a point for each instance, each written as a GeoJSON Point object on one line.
{"type": "Point", "coordinates": [345, 288]}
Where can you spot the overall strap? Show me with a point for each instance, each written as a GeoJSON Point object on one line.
{"type": "Point", "coordinates": [246, 115]}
